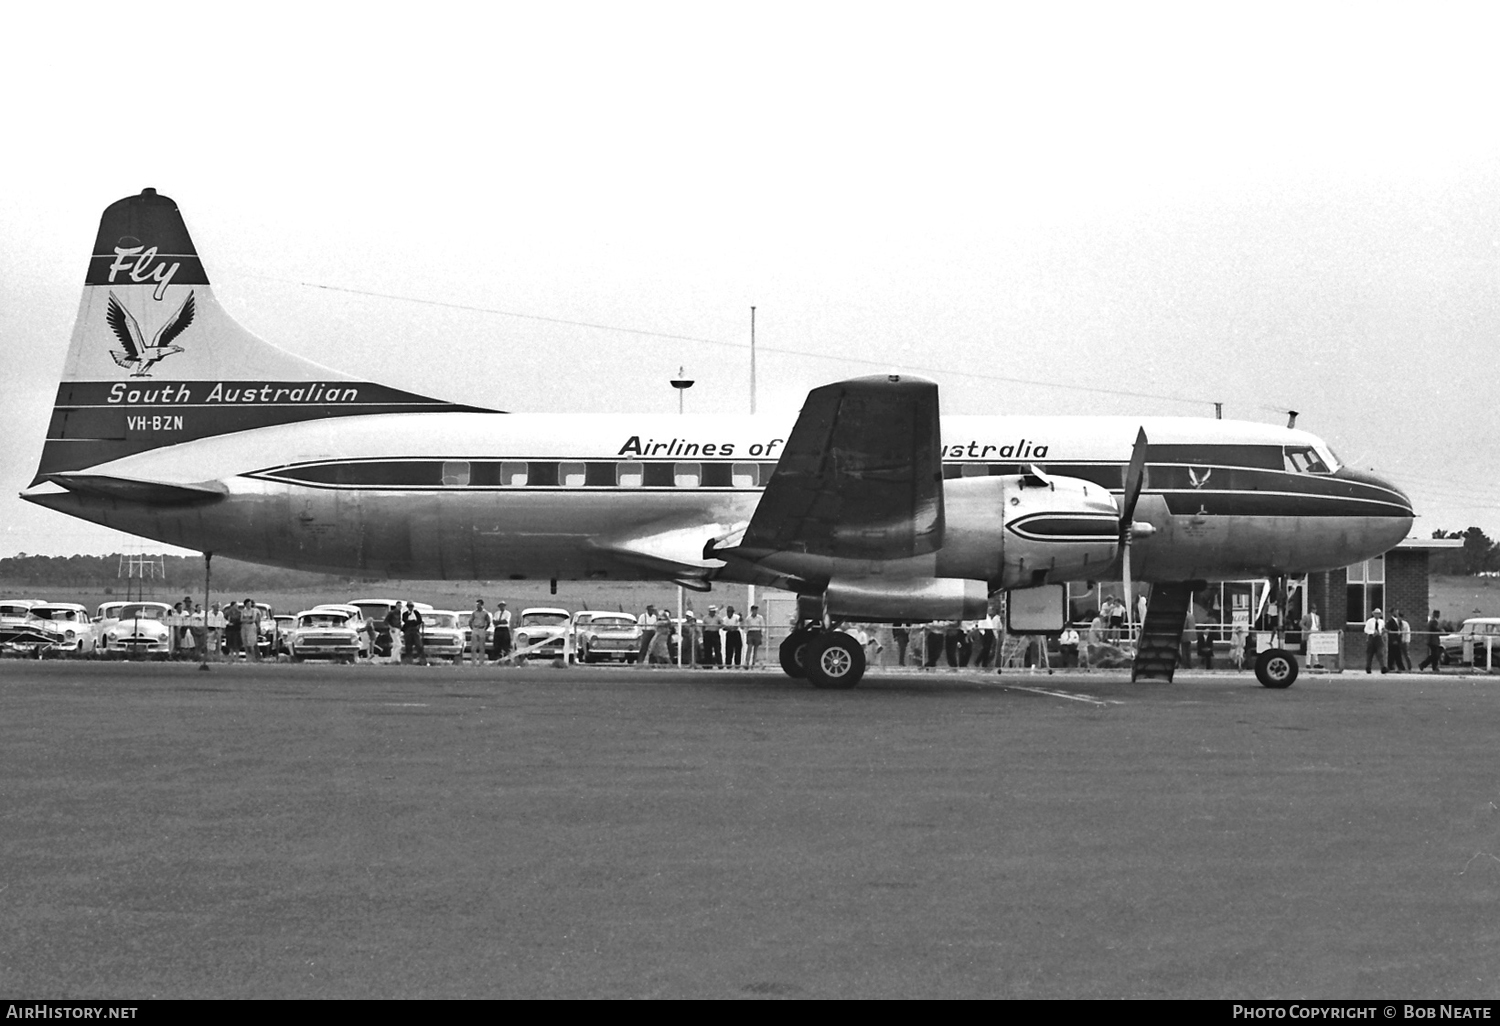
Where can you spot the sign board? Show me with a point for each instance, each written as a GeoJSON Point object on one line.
{"type": "Point", "coordinates": [1323, 643]}
{"type": "Point", "coordinates": [1036, 610]}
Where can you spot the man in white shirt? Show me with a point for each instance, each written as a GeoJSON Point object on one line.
{"type": "Point", "coordinates": [1375, 641]}
{"type": "Point", "coordinates": [647, 623]}
{"type": "Point", "coordinates": [1311, 624]}
{"type": "Point", "coordinates": [502, 632]}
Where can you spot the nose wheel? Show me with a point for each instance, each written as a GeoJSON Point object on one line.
{"type": "Point", "coordinates": [1276, 668]}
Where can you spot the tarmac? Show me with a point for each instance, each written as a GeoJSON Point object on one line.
{"type": "Point", "coordinates": [384, 831]}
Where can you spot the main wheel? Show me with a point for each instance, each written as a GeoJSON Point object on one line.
{"type": "Point", "coordinates": [1276, 668]}
{"type": "Point", "coordinates": [794, 653]}
{"type": "Point", "coordinates": [834, 660]}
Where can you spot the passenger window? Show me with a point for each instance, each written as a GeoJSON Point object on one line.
{"type": "Point", "coordinates": [717, 475]}
{"type": "Point", "coordinates": [572, 475]}
{"type": "Point", "coordinates": [766, 470]}
{"type": "Point", "coordinates": [658, 475]}
{"type": "Point", "coordinates": [975, 470]}
{"type": "Point", "coordinates": [456, 474]}
{"type": "Point", "coordinates": [630, 475]}
{"type": "Point", "coordinates": [513, 474]}
{"type": "Point", "coordinates": [744, 475]}
{"type": "Point", "coordinates": [686, 475]}
{"type": "Point", "coordinates": [542, 473]}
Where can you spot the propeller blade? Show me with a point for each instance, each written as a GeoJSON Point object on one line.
{"type": "Point", "coordinates": [1135, 476]}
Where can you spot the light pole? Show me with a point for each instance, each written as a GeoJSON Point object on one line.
{"type": "Point", "coordinates": [682, 384]}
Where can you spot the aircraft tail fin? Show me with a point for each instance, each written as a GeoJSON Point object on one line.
{"type": "Point", "coordinates": [156, 360]}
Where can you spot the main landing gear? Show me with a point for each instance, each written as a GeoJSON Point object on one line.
{"type": "Point", "coordinates": [827, 659]}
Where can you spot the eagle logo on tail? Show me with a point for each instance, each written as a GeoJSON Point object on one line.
{"type": "Point", "coordinates": [137, 353]}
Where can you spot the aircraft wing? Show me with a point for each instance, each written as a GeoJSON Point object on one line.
{"type": "Point", "coordinates": [861, 476]}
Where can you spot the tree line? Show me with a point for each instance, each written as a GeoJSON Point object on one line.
{"type": "Point", "coordinates": [1479, 554]}
{"type": "Point", "coordinates": [184, 571]}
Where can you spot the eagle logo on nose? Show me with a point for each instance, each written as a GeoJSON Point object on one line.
{"type": "Point", "coordinates": [137, 353]}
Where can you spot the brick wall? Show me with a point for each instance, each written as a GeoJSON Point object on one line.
{"type": "Point", "coordinates": [1406, 583]}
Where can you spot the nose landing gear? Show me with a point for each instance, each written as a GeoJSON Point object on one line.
{"type": "Point", "coordinates": [1276, 667]}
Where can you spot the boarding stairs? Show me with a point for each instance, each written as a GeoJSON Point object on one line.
{"type": "Point", "coordinates": [1160, 643]}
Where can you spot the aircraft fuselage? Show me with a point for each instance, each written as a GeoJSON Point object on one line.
{"type": "Point", "coordinates": [483, 495]}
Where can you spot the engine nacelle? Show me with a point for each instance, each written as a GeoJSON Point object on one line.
{"type": "Point", "coordinates": [1025, 530]}
{"type": "Point", "coordinates": [884, 599]}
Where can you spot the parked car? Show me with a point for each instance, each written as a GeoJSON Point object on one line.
{"type": "Point", "coordinates": [59, 627]}
{"type": "Point", "coordinates": [267, 642]}
{"type": "Point", "coordinates": [1473, 631]}
{"type": "Point", "coordinates": [132, 628]}
{"type": "Point", "coordinates": [375, 611]}
{"type": "Point", "coordinates": [284, 623]}
{"type": "Point", "coordinates": [542, 633]}
{"type": "Point", "coordinates": [14, 620]}
{"type": "Point", "coordinates": [328, 632]}
{"type": "Point", "coordinates": [601, 635]}
{"type": "Point", "coordinates": [443, 634]}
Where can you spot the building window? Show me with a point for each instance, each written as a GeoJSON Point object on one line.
{"type": "Point", "coordinates": [1366, 589]}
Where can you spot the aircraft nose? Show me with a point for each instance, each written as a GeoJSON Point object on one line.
{"type": "Point", "coordinates": [1391, 514]}
{"type": "Point", "coordinates": [1378, 487]}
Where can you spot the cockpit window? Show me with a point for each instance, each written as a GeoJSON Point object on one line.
{"type": "Point", "coordinates": [1305, 460]}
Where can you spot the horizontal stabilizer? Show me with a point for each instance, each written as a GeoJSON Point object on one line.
{"type": "Point", "coordinates": [138, 490]}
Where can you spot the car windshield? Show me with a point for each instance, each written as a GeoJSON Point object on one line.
{"type": "Point", "coordinates": [53, 613]}
{"type": "Point", "coordinates": [322, 620]}
{"type": "Point", "coordinates": [614, 622]}
{"type": "Point", "coordinates": [448, 621]}
{"type": "Point", "coordinates": [376, 611]}
{"type": "Point", "coordinates": [136, 611]}
{"type": "Point", "coordinates": [10, 610]}
{"type": "Point", "coordinates": [543, 619]}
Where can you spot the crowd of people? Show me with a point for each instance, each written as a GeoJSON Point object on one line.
{"type": "Point", "coordinates": [726, 638]}
{"type": "Point", "coordinates": [230, 630]}
{"type": "Point", "coordinates": [719, 638]}
{"type": "Point", "coordinates": [1388, 642]}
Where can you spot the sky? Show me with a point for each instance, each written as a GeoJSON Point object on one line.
{"type": "Point", "coordinates": [1134, 209]}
